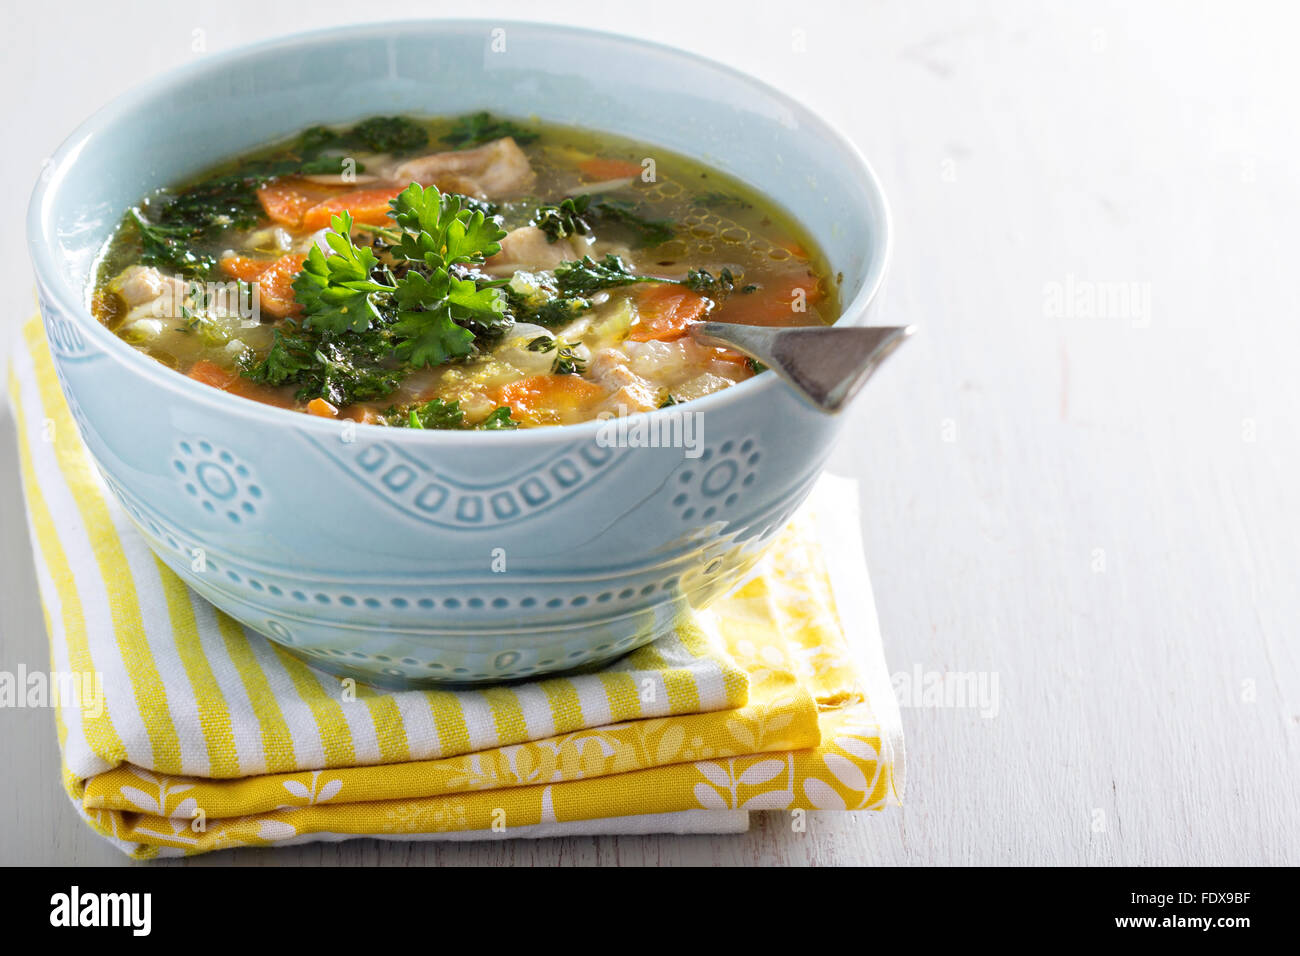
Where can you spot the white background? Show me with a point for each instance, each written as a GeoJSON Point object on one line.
{"type": "Point", "coordinates": [1101, 512]}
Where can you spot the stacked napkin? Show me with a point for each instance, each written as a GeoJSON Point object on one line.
{"type": "Point", "coordinates": [189, 733]}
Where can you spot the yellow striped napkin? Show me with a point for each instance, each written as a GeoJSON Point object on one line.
{"type": "Point", "coordinates": [198, 735]}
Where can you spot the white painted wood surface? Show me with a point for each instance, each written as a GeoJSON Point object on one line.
{"type": "Point", "coordinates": [1095, 507]}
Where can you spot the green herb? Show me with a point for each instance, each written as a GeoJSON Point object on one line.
{"type": "Point", "coordinates": [436, 414]}
{"type": "Point", "coordinates": [500, 418]}
{"type": "Point", "coordinates": [567, 360]}
{"type": "Point", "coordinates": [574, 216]}
{"type": "Point", "coordinates": [586, 276]}
{"type": "Point", "coordinates": [649, 232]}
{"type": "Point", "coordinates": [442, 230]}
{"type": "Point", "coordinates": [703, 282]}
{"type": "Point", "coordinates": [379, 134]}
{"type": "Point", "coordinates": [563, 220]}
{"type": "Point", "coordinates": [176, 223]}
{"type": "Point", "coordinates": [475, 129]}
{"type": "Point", "coordinates": [340, 367]}
{"type": "Point", "coordinates": [755, 365]}
{"type": "Point", "coordinates": [336, 292]}
{"type": "Point", "coordinates": [552, 312]}
{"type": "Point", "coordinates": [390, 134]}
{"type": "Point", "coordinates": [439, 414]}
{"type": "Point", "coordinates": [170, 248]}
{"type": "Point", "coordinates": [363, 328]}
{"type": "Point", "coordinates": [669, 401]}
{"type": "Point", "coordinates": [327, 165]}
{"type": "Point", "coordinates": [439, 235]}
{"type": "Point", "coordinates": [287, 356]}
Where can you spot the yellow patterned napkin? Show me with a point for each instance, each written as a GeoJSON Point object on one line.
{"type": "Point", "coordinates": [192, 734]}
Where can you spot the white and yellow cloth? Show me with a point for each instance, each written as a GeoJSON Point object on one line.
{"type": "Point", "coordinates": [207, 736]}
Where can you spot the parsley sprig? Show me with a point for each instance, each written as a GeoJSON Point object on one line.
{"type": "Point", "coordinates": [428, 308]}
{"type": "Point", "coordinates": [365, 325]}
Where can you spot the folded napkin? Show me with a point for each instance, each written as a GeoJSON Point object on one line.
{"type": "Point", "coordinates": [192, 733]}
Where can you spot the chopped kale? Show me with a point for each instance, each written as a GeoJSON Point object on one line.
{"type": "Point", "coordinates": [341, 367]}
{"type": "Point", "coordinates": [439, 414]}
{"type": "Point", "coordinates": [648, 232]}
{"type": "Point", "coordinates": [563, 220]}
{"type": "Point", "coordinates": [586, 276]}
{"type": "Point", "coordinates": [552, 312]}
{"type": "Point", "coordinates": [704, 282]}
{"type": "Point", "coordinates": [575, 216]}
{"type": "Point", "coordinates": [170, 248]}
{"type": "Point", "coordinates": [475, 129]}
{"type": "Point", "coordinates": [390, 134]}
{"type": "Point", "coordinates": [379, 134]}
{"type": "Point", "coordinates": [436, 413]}
{"type": "Point", "coordinates": [327, 165]}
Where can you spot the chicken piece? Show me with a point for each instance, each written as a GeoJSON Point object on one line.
{"type": "Point", "coordinates": [143, 285]}
{"type": "Point", "coordinates": [527, 248]}
{"type": "Point", "coordinates": [492, 171]}
{"type": "Point", "coordinates": [631, 393]}
{"type": "Point", "coordinates": [149, 295]}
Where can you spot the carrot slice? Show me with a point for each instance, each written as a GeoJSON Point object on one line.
{"type": "Point", "coordinates": [285, 200]}
{"type": "Point", "coordinates": [322, 408]}
{"type": "Point", "coordinates": [601, 169]}
{"type": "Point", "coordinates": [729, 355]}
{"type": "Point", "coordinates": [666, 311]}
{"type": "Point", "coordinates": [773, 303]}
{"type": "Point", "coordinates": [210, 373]}
{"type": "Point", "coordinates": [228, 380]}
{"type": "Point", "coordinates": [542, 396]}
{"type": "Point", "coordinates": [275, 286]}
{"type": "Point", "coordinates": [369, 206]}
{"type": "Point", "coordinates": [245, 267]}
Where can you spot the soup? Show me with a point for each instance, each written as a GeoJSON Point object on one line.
{"type": "Point", "coordinates": [457, 273]}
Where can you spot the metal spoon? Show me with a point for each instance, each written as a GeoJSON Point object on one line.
{"type": "Point", "coordinates": [826, 365]}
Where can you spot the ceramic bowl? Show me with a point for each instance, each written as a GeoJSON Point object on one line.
{"type": "Point", "coordinates": [410, 557]}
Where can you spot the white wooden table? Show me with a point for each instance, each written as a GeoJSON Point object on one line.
{"type": "Point", "coordinates": [1080, 480]}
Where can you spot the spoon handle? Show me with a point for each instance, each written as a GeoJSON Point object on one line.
{"type": "Point", "coordinates": [826, 365]}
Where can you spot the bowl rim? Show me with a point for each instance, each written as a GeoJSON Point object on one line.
{"type": "Point", "coordinates": [71, 302]}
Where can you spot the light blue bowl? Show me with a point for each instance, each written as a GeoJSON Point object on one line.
{"type": "Point", "coordinates": [416, 557]}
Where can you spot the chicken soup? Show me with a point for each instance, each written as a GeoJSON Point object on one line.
{"type": "Point", "coordinates": [457, 273]}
